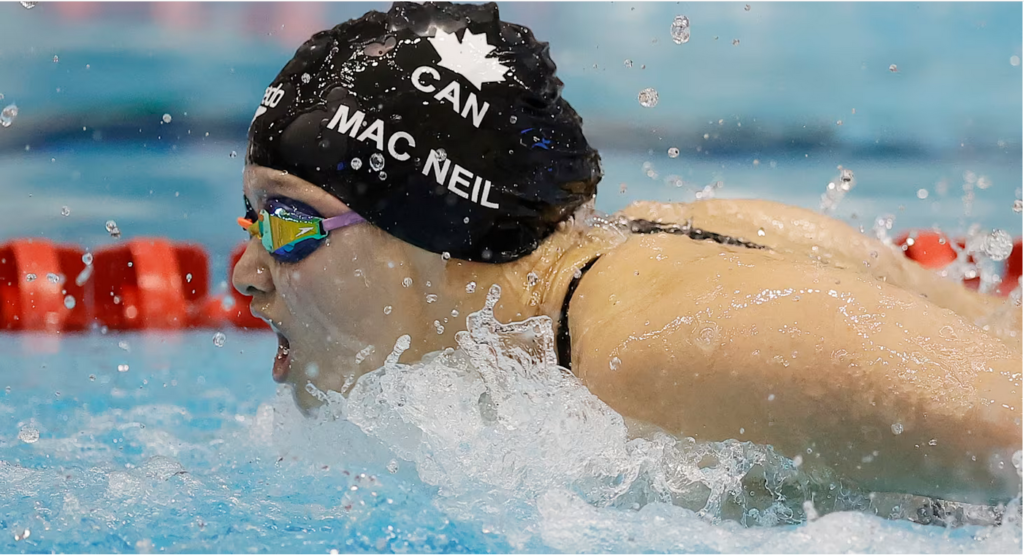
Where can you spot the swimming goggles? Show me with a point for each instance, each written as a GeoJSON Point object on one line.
{"type": "Point", "coordinates": [291, 230]}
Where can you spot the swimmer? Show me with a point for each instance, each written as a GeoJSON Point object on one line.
{"type": "Point", "coordinates": [403, 162]}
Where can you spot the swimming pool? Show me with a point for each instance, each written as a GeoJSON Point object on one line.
{"type": "Point", "coordinates": [148, 442]}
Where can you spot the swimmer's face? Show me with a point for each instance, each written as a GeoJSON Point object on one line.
{"type": "Point", "coordinates": [339, 311]}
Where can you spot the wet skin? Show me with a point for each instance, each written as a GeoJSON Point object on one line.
{"type": "Point", "coordinates": [802, 346]}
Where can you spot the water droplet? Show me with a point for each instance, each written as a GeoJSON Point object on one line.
{"type": "Point", "coordinates": [431, 299]}
{"type": "Point", "coordinates": [673, 152]}
{"type": "Point", "coordinates": [998, 245]}
{"type": "Point", "coordinates": [8, 115]}
{"type": "Point", "coordinates": [614, 364]}
{"type": "Point", "coordinates": [922, 194]}
{"type": "Point", "coordinates": [387, 309]}
{"type": "Point", "coordinates": [87, 258]}
{"type": "Point", "coordinates": [392, 466]}
{"type": "Point", "coordinates": [376, 161]}
{"type": "Point", "coordinates": [933, 442]}
{"type": "Point", "coordinates": [52, 278]}
{"type": "Point", "coordinates": [112, 229]}
{"type": "Point", "coordinates": [1018, 206]}
{"type": "Point", "coordinates": [28, 434]}
{"type": "Point", "coordinates": [232, 154]}
{"type": "Point", "coordinates": [648, 98]}
{"type": "Point", "coordinates": [628, 63]}
{"type": "Point", "coordinates": [1014, 61]}
{"type": "Point", "coordinates": [897, 428]}
{"type": "Point", "coordinates": [407, 282]}
{"type": "Point", "coordinates": [122, 367]}
{"type": "Point", "coordinates": [681, 29]}
{"type": "Point", "coordinates": [382, 175]}
{"type": "Point", "coordinates": [69, 302]}
{"type": "Point", "coordinates": [28, 6]}
{"type": "Point", "coordinates": [218, 339]}
{"type": "Point", "coordinates": [166, 118]}
{"type": "Point", "coordinates": [30, 278]}
{"type": "Point", "coordinates": [356, 163]}
{"type": "Point", "coordinates": [442, 155]}
{"type": "Point", "coordinates": [893, 68]}
{"type": "Point", "coordinates": [306, 78]}
{"type": "Point", "coordinates": [455, 313]}
{"type": "Point", "coordinates": [55, 59]}
{"type": "Point", "coordinates": [65, 211]}
{"type": "Point", "coordinates": [471, 287]}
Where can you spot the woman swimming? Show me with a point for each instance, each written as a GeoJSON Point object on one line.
{"type": "Point", "coordinates": [401, 163]}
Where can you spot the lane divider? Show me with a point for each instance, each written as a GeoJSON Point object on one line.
{"type": "Point", "coordinates": [154, 283]}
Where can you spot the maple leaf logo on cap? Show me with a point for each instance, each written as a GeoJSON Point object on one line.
{"type": "Point", "coordinates": [469, 57]}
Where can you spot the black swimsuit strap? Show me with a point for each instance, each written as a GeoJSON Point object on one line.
{"type": "Point", "coordinates": [563, 341]}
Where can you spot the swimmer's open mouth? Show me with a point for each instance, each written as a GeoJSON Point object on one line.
{"type": "Point", "coordinates": [281, 363]}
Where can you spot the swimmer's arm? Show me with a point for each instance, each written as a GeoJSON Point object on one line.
{"type": "Point", "coordinates": [720, 343]}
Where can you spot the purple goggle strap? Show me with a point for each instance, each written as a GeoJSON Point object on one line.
{"type": "Point", "coordinates": [348, 218]}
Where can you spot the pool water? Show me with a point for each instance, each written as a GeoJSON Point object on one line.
{"type": "Point", "coordinates": [166, 442]}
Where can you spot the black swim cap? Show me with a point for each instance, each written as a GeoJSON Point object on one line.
{"type": "Point", "coordinates": [438, 123]}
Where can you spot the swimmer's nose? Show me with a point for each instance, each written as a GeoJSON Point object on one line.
{"type": "Point", "coordinates": [251, 275]}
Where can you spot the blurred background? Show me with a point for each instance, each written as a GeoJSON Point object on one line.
{"type": "Point", "coordinates": [134, 112]}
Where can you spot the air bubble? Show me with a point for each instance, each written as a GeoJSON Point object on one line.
{"type": "Point", "coordinates": [166, 118]}
{"type": "Point", "coordinates": [471, 287]}
{"type": "Point", "coordinates": [922, 194]}
{"type": "Point", "coordinates": [442, 155]}
{"type": "Point", "coordinates": [65, 211]}
{"type": "Point", "coordinates": [1018, 206]}
{"type": "Point", "coordinates": [122, 367]}
{"type": "Point", "coordinates": [897, 428]}
{"type": "Point", "coordinates": [387, 309]}
{"type": "Point", "coordinates": [53, 278]}
{"type": "Point", "coordinates": [673, 152]}
{"type": "Point", "coordinates": [55, 59]}
{"type": "Point", "coordinates": [8, 115]}
{"type": "Point", "coordinates": [382, 175]}
{"type": "Point", "coordinates": [376, 161]}
{"type": "Point", "coordinates": [735, 42]}
{"type": "Point", "coordinates": [431, 299]}
{"type": "Point", "coordinates": [87, 258]}
{"type": "Point", "coordinates": [445, 255]}
{"type": "Point", "coordinates": [356, 163]}
{"type": "Point", "coordinates": [232, 154]}
{"type": "Point", "coordinates": [532, 279]}
{"type": "Point", "coordinates": [407, 282]}
{"type": "Point", "coordinates": [746, 8]}
{"type": "Point", "coordinates": [893, 68]}
{"type": "Point", "coordinates": [28, 434]}
{"type": "Point", "coordinates": [681, 29]}
{"type": "Point", "coordinates": [306, 78]}
{"type": "Point", "coordinates": [30, 278]}
{"type": "Point", "coordinates": [112, 229]}
{"type": "Point", "coordinates": [69, 302]}
{"type": "Point", "coordinates": [648, 98]}
{"type": "Point", "coordinates": [614, 364]}
{"type": "Point", "coordinates": [218, 339]}
{"type": "Point", "coordinates": [438, 327]}
{"type": "Point", "coordinates": [392, 466]}
{"type": "Point", "coordinates": [998, 245]}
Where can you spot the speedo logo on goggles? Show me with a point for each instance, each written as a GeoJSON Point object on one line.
{"type": "Point", "coordinates": [291, 230]}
